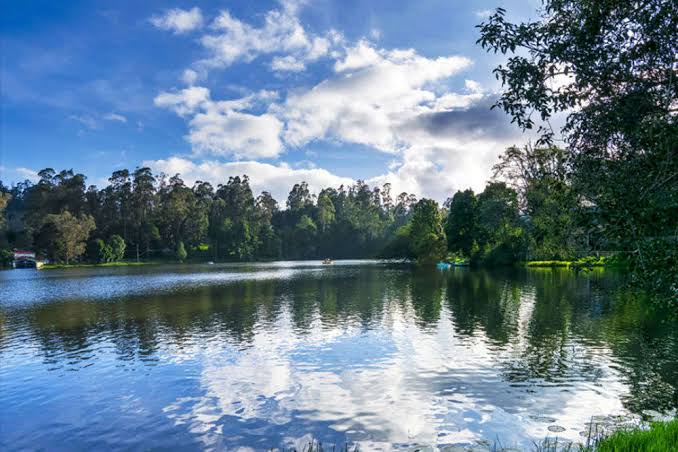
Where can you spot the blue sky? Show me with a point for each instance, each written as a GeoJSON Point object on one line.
{"type": "Point", "coordinates": [323, 91]}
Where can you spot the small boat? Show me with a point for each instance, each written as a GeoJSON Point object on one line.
{"type": "Point", "coordinates": [443, 266]}
{"type": "Point", "coordinates": [210, 263]}
{"type": "Point", "coordinates": [327, 261]}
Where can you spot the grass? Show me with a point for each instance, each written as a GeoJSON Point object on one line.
{"type": "Point", "coordinates": [549, 264]}
{"type": "Point", "coordinates": [660, 437]}
{"type": "Point", "coordinates": [584, 262]}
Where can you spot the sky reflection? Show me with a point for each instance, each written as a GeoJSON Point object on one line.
{"type": "Point", "coordinates": [377, 355]}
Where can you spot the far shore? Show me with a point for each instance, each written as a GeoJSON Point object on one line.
{"type": "Point", "coordinates": [588, 262]}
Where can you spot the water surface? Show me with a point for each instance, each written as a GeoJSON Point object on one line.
{"type": "Point", "coordinates": [264, 355]}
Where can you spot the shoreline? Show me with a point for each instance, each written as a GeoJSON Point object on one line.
{"type": "Point", "coordinates": [588, 262]}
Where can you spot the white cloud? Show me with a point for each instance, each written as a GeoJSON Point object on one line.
{"type": "Point", "coordinates": [437, 172]}
{"type": "Point", "coordinates": [362, 55]}
{"type": "Point", "coordinates": [483, 13]}
{"type": "Point", "coordinates": [189, 77]}
{"type": "Point", "coordinates": [281, 33]}
{"type": "Point", "coordinates": [230, 132]}
{"type": "Point", "coordinates": [277, 179]}
{"type": "Point", "coordinates": [374, 92]}
{"type": "Point", "coordinates": [115, 117]}
{"type": "Point", "coordinates": [223, 127]}
{"type": "Point", "coordinates": [287, 63]}
{"type": "Point", "coordinates": [17, 174]}
{"type": "Point", "coordinates": [185, 101]}
{"type": "Point", "coordinates": [449, 101]}
{"type": "Point", "coordinates": [473, 86]}
{"type": "Point", "coordinates": [179, 20]}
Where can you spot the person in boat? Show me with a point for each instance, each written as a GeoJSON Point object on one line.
{"type": "Point", "coordinates": [327, 261]}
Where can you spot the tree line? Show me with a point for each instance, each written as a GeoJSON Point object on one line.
{"type": "Point", "coordinates": [147, 216]}
{"type": "Point", "coordinates": [531, 209]}
{"type": "Point", "coordinates": [528, 211]}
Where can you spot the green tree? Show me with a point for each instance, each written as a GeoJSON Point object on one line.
{"type": "Point", "coordinates": [175, 211]}
{"type": "Point", "coordinates": [234, 216]}
{"type": "Point", "coordinates": [427, 237]}
{"type": "Point", "coordinates": [269, 242]}
{"type": "Point", "coordinates": [541, 179]}
{"type": "Point", "coordinates": [121, 187]}
{"type": "Point", "coordinates": [4, 200]}
{"type": "Point", "coordinates": [610, 68]}
{"type": "Point", "coordinates": [299, 198]}
{"type": "Point", "coordinates": [326, 211]}
{"type": "Point", "coordinates": [6, 257]}
{"type": "Point", "coordinates": [398, 246]}
{"type": "Point", "coordinates": [181, 251]}
{"type": "Point", "coordinates": [305, 232]}
{"type": "Point", "coordinates": [461, 223]}
{"type": "Point", "coordinates": [5, 197]}
{"type": "Point", "coordinates": [104, 252]}
{"type": "Point", "coordinates": [71, 234]}
{"type": "Point", "coordinates": [143, 203]}
{"type": "Point", "coordinates": [117, 245]}
{"type": "Point", "coordinates": [53, 194]}
{"type": "Point", "coordinates": [500, 236]}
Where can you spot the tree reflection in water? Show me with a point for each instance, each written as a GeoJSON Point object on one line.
{"type": "Point", "coordinates": [372, 353]}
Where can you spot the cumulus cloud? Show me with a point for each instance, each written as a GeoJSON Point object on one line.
{"type": "Point", "coordinates": [179, 20]}
{"type": "Point", "coordinates": [224, 128]}
{"type": "Point", "coordinates": [185, 101]}
{"type": "Point", "coordinates": [451, 149]}
{"type": "Point", "coordinates": [233, 40]}
{"type": "Point", "coordinates": [367, 101]}
{"type": "Point", "coordinates": [277, 179]}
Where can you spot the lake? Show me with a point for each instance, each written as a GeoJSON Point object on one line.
{"type": "Point", "coordinates": [258, 356]}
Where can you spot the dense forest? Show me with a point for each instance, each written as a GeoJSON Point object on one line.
{"type": "Point", "coordinates": [528, 211]}
{"type": "Point", "coordinates": [139, 215]}
{"type": "Point", "coordinates": [155, 216]}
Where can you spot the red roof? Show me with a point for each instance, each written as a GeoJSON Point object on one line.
{"type": "Point", "coordinates": [24, 253]}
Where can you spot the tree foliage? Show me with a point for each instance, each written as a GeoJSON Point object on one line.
{"type": "Point", "coordinates": [486, 228]}
{"type": "Point", "coordinates": [152, 213]}
{"type": "Point", "coordinates": [71, 234]}
{"type": "Point", "coordinates": [610, 68]}
{"type": "Point", "coordinates": [461, 223]}
{"type": "Point", "coordinates": [427, 237]}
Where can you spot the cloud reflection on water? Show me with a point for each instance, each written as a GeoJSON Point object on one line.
{"type": "Point", "coordinates": [256, 356]}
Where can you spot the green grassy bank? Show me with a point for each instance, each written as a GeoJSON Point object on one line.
{"type": "Point", "coordinates": [585, 262]}
{"type": "Point", "coordinates": [660, 437]}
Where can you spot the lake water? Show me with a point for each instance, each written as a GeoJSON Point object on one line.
{"type": "Point", "coordinates": [269, 355]}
